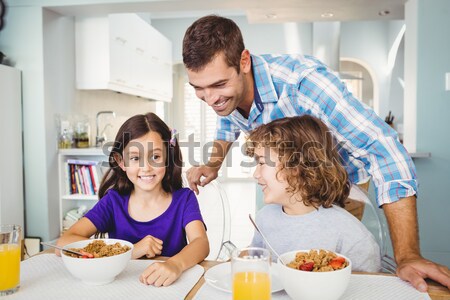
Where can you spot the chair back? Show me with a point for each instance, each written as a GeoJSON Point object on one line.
{"type": "Point", "coordinates": [374, 220]}
{"type": "Point", "coordinates": [215, 210]}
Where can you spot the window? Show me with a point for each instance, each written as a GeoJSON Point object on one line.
{"type": "Point", "coordinates": [199, 126]}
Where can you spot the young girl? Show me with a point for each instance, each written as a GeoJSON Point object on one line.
{"type": "Point", "coordinates": [304, 185]}
{"type": "Point", "coordinates": [142, 201]}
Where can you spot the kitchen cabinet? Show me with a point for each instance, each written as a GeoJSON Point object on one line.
{"type": "Point", "coordinates": [123, 53]}
{"type": "Point", "coordinates": [69, 200]}
{"type": "Point", "coordinates": [11, 172]}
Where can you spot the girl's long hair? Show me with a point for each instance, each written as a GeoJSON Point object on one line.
{"type": "Point", "coordinates": [309, 160]}
{"type": "Point", "coordinates": [136, 127]}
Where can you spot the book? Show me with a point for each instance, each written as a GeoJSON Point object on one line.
{"type": "Point", "coordinates": [82, 162]}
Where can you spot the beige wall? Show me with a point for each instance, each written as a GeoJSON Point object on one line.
{"type": "Point", "coordinates": [125, 106]}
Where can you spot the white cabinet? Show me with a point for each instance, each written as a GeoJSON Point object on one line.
{"type": "Point", "coordinates": [11, 171]}
{"type": "Point", "coordinates": [68, 199]}
{"type": "Point", "coordinates": [124, 53]}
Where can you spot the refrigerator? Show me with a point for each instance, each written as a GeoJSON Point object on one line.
{"type": "Point", "coordinates": [11, 152]}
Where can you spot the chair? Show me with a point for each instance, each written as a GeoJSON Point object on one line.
{"type": "Point", "coordinates": [215, 210]}
{"type": "Point", "coordinates": [375, 221]}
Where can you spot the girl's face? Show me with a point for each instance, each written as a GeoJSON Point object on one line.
{"type": "Point", "coordinates": [274, 188]}
{"type": "Point", "coordinates": [144, 162]}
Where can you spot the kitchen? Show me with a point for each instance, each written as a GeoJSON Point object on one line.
{"type": "Point", "coordinates": [41, 40]}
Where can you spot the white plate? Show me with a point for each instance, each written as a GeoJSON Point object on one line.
{"type": "Point", "coordinates": [219, 277]}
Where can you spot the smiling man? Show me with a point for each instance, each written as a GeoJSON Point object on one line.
{"type": "Point", "coordinates": [249, 90]}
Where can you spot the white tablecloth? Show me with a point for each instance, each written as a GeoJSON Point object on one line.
{"type": "Point", "coordinates": [45, 277]}
{"type": "Point", "coordinates": [361, 287]}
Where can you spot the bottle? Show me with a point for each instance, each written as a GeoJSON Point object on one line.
{"type": "Point", "coordinates": [65, 141]}
{"type": "Point", "coordinates": [81, 136]}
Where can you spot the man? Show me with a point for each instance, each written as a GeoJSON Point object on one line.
{"type": "Point", "coordinates": [248, 90]}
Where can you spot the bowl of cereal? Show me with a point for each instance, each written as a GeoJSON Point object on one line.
{"type": "Point", "coordinates": [111, 256]}
{"type": "Point", "coordinates": [314, 274]}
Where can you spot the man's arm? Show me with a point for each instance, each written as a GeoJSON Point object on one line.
{"type": "Point", "coordinates": [211, 169]}
{"type": "Point", "coordinates": [403, 227]}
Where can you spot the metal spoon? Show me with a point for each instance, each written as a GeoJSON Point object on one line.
{"type": "Point", "coordinates": [264, 238]}
{"type": "Point", "coordinates": [89, 255]}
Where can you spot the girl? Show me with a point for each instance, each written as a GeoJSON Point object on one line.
{"type": "Point", "coordinates": [304, 185]}
{"type": "Point", "coordinates": [142, 201]}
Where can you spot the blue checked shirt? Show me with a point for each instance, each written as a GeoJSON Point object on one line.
{"type": "Point", "coordinates": [294, 85]}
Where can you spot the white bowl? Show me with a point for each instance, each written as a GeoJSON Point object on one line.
{"type": "Point", "coordinates": [304, 285]}
{"type": "Point", "coordinates": [97, 271]}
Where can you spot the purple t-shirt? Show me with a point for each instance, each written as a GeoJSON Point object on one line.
{"type": "Point", "coordinates": [111, 215]}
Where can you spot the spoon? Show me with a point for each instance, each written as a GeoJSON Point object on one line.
{"type": "Point", "coordinates": [265, 240]}
{"type": "Point", "coordinates": [82, 253]}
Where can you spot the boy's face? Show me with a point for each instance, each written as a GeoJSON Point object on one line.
{"type": "Point", "coordinates": [143, 161]}
{"type": "Point", "coordinates": [219, 85]}
{"type": "Point", "coordinates": [273, 187]}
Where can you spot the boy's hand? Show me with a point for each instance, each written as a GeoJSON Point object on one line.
{"type": "Point", "coordinates": [148, 246]}
{"type": "Point", "coordinates": [160, 274]}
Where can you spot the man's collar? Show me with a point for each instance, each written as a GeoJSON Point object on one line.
{"type": "Point", "coordinates": [263, 80]}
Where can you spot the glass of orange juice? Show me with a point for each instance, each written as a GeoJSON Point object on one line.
{"type": "Point", "coordinates": [10, 239]}
{"type": "Point", "coordinates": [250, 271]}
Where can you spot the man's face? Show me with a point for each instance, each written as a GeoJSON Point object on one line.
{"type": "Point", "coordinates": [219, 85]}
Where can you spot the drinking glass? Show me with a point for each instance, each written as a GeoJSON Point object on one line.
{"type": "Point", "coordinates": [10, 247]}
{"type": "Point", "coordinates": [250, 269]}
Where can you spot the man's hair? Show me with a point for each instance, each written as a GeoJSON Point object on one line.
{"type": "Point", "coordinates": [312, 166]}
{"type": "Point", "coordinates": [209, 36]}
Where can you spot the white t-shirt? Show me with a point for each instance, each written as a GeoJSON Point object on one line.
{"type": "Point", "coordinates": [331, 228]}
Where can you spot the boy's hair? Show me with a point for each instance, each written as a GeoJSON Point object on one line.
{"type": "Point", "coordinates": [306, 152]}
{"type": "Point", "coordinates": [136, 127]}
{"type": "Point", "coordinates": [208, 37]}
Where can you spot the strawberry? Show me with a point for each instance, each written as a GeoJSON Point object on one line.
{"type": "Point", "coordinates": [337, 262]}
{"type": "Point", "coordinates": [306, 266]}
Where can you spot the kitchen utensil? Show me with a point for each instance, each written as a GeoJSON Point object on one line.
{"type": "Point", "coordinates": [265, 240]}
{"type": "Point", "coordinates": [89, 255]}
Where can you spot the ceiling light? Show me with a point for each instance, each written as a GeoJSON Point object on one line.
{"type": "Point", "coordinates": [384, 13]}
{"type": "Point", "coordinates": [327, 15]}
{"type": "Point", "coordinates": [271, 16]}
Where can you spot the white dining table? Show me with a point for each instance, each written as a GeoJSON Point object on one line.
{"type": "Point", "coordinates": [44, 276]}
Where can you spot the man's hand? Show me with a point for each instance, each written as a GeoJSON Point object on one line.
{"type": "Point", "coordinates": [195, 174]}
{"type": "Point", "coordinates": [416, 270]}
{"type": "Point", "coordinates": [411, 266]}
{"type": "Point", "coordinates": [148, 246]}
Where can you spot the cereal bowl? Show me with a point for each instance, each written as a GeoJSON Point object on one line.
{"type": "Point", "coordinates": [307, 285]}
{"type": "Point", "coordinates": [97, 271]}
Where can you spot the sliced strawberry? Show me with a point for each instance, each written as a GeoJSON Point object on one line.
{"type": "Point", "coordinates": [337, 262]}
{"type": "Point", "coordinates": [86, 254]}
{"type": "Point", "coordinates": [309, 266]}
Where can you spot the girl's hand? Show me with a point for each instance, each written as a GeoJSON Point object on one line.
{"type": "Point", "coordinates": [161, 274]}
{"type": "Point", "coordinates": [148, 246]}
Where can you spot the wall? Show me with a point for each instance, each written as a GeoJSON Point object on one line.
{"type": "Point", "coordinates": [372, 49]}
{"type": "Point", "coordinates": [429, 50]}
{"type": "Point", "coordinates": [174, 30]}
{"type": "Point", "coordinates": [41, 43]}
{"type": "Point", "coordinates": [355, 43]}
{"type": "Point", "coordinates": [58, 53]}
{"type": "Point", "coordinates": [22, 40]}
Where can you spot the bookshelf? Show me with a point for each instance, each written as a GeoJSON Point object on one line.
{"type": "Point", "coordinates": [74, 197]}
